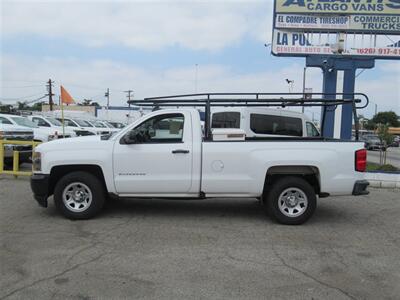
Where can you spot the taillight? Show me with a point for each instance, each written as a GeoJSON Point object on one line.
{"type": "Point", "coordinates": [361, 160]}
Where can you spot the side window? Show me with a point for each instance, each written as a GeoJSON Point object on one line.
{"type": "Point", "coordinates": [278, 125]}
{"type": "Point", "coordinates": [166, 128]}
{"type": "Point", "coordinates": [68, 122]}
{"type": "Point", "coordinates": [311, 130]}
{"type": "Point", "coordinates": [5, 121]}
{"type": "Point", "coordinates": [226, 120]}
{"type": "Point", "coordinates": [40, 122]}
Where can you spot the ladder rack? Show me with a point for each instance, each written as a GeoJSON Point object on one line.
{"type": "Point", "coordinates": [207, 100]}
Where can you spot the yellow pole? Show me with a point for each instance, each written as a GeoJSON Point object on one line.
{"type": "Point", "coordinates": [15, 162]}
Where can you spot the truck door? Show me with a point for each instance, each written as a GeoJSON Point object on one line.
{"type": "Point", "coordinates": [155, 157]}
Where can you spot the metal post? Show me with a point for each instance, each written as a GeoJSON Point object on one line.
{"type": "Point", "coordinates": [304, 87]}
{"type": "Point", "coordinates": [329, 87]}
{"type": "Point", "coordinates": [207, 124]}
{"type": "Point", "coordinates": [348, 90]}
{"type": "Point", "coordinates": [15, 162]}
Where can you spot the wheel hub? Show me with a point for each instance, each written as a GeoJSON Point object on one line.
{"type": "Point", "coordinates": [291, 201]}
{"type": "Point", "coordinates": [77, 197]}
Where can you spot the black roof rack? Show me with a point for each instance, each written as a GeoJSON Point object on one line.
{"type": "Point", "coordinates": [208, 100]}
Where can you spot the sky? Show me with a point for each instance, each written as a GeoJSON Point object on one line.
{"type": "Point", "coordinates": [156, 48]}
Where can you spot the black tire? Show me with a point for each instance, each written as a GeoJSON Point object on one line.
{"type": "Point", "coordinates": [273, 201]}
{"type": "Point", "coordinates": [92, 183]}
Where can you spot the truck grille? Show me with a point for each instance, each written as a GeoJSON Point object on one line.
{"type": "Point", "coordinates": [18, 136]}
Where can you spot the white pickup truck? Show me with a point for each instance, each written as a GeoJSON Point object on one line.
{"type": "Point", "coordinates": [164, 155]}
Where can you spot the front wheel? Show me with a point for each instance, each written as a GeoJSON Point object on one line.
{"type": "Point", "coordinates": [291, 200]}
{"type": "Point", "coordinates": [79, 195]}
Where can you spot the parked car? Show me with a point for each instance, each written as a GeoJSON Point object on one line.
{"type": "Point", "coordinates": [264, 122]}
{"type": "Point", "coordinates": [76, 126]}
{"type": "Point", "coordinates": [118, 125]}
{"type": "Point", "coordinates": [164, 155]}
{"type": "Point", "coordinates": [41, 134]}
{"type": "Point", "coordinates": [396, 141]}
{"type": "Point", "coordinates": [102, 127]}
{"type": "Point", "coordinates": [53, 124]}
{"type": "Point", "coordinates": [15, 133]}
{"type": "Point", "coordinates": [373, 142]}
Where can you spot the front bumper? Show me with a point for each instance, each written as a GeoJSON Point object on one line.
{"type": "Point", "coordinates": [40, 188]}
{"type": "Point", "coordinates": [360, 188]}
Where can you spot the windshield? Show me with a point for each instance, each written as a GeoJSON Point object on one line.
{"type": "Point", "coordinates": [83, 123]}
{"type": "Point", "coordinates": [108, 124]}
{"type": "Point", "coordinates": [98, 124]}
{"type": "Point", "coordinates": [54, 122]}
{"type": "Point", "coordinates": [24, 122]}
{"type": "Point", "coordinates": [117, 125]}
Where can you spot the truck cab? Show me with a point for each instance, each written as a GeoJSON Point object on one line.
{"type": "Point", "coordinates": [264, 122]}
{"type": "Point", "coordinates": [12, 132]}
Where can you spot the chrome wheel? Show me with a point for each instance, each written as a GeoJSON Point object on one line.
{"type": "Point", "coordinates": [77, 197]}
{"type": "Point", "coordinates": [293, 202]}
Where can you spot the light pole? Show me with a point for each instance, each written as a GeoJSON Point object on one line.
{"type": "Point", "coordinates": [195, 78]}
{"type": "Point", "coordinates": [304, 87]}
{"type": "Point", "coordinates": [290, 83]}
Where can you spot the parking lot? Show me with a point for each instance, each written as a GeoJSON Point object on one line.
{"type": "Point", "coordinates": [199, 249]}
{"type": "Point", "coordinates": [392, 156]}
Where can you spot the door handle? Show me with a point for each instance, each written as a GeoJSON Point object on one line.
{"type": "Point", "coordinates": [180, 151]}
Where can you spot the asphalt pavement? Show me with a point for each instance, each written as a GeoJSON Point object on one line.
{"type": "Point", "coordinates": [210, 249]}
{"type": "Point", "coordinates": [392, 156]}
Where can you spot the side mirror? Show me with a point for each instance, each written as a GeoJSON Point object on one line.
{"type": "Point", "coordinates": [130, 138]}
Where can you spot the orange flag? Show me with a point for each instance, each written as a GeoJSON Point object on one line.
{"type": "Point", "coordinates": [66, 97]}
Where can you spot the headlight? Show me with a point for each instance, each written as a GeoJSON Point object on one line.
{"type": "Point", "coordinates": [36, 161]}
{"type": "Point", "coordinates": [51, 137]}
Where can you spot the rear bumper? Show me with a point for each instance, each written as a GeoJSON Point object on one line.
{"type": "Point", "coordinates": [40, 188]}
{"type": "Point", "coordinates": [360, 188]}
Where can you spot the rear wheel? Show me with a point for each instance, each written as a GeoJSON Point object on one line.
{"type": "Point", "coordinates": [291, 200]}
{"type": "Point", "coordinates": [79, 195]}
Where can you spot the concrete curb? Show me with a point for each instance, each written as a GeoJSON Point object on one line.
{"type": "Point", "coordinates": [383, 180]}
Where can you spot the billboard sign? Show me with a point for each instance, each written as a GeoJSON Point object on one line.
{"type": "Point", "coordinates": [338, 7]}
{"type": "Point", "coordinates": [293, 43]}
{"type": "Point", "coordinates": [353, 23]}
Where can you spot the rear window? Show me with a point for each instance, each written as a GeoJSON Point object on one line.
{"type": "Point", "coordinates": [278, 125]}
{"type": "Point", "coordinates": [226, 120]}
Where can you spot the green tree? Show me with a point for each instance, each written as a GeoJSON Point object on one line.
{"type": "Point", "coordinates": [370, 125]}
{"type": "Point", "coordinates": [389, 118]}
{"type": "Point", "coordinates": [37, 106]}
{"type": "Point", "coordinates": [386, 138]}
{"type": "Point", "coordinates": [22, 105]}
{"type": "Point", "coordinates": [86, 102]}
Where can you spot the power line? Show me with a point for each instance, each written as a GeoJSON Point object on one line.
{"type": "Point", "coordinates": [30, 81]}
{"type": "Point", "coordinates": [32, 101]}
{"type": "Point", "coordinates": [20, 87]}
{"type": "Point", "coordinates": [20, 98]}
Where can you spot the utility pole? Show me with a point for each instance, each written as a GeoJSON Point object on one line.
{"type": "Point", "coordinates": [129, 93]}
{"type": "Point", "coordinates": [376, 109]}
{"type": "Point", "coordinates": [50, 94]}
{"type": "Point", "coordinates": [304, 87]}
{"type": "Point", "coordinates": [195, 79]}
{"type": "Point", "coordinates": [107, 95]}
